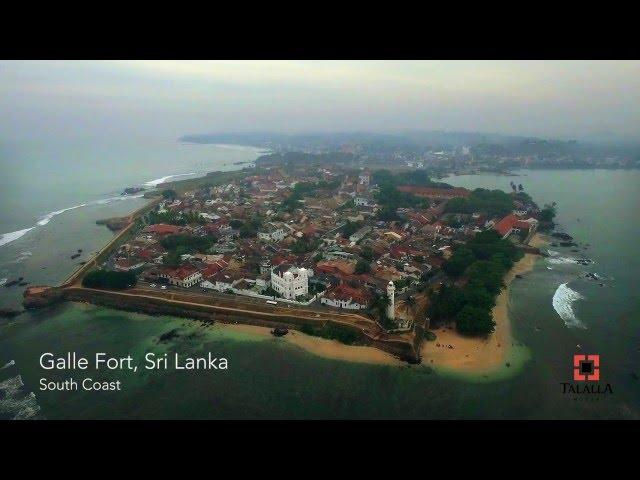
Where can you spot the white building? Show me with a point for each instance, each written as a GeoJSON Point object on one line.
{"type": "Point", "coordinates": [274, 232]}
{"type": "Point", "coordinates": [361, 201]}
{"type": "Point", "coordinates": [365, 177]}
{"type": "Point", "coordinates": [290, 282]}
{"type": "Point", "coordinates": [184, 276]}
{"type": "Point", "coordinates": [343, 296]}
{"type": "Point", "coordinates": [391, 307]}
{"type": "Point", "coordinates": [360, 234]}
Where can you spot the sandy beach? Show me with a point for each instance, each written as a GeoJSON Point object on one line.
{"type": "Point", "coordinates": [479, 355]}
{"type": "Point", "coordinates": [323, 347]}
{"type": "Point", "coordinates": [469, 355]}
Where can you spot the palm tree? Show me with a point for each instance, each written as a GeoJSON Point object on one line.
{"type": "Point", "coordinates": [410, 304]}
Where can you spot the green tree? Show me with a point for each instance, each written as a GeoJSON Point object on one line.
{"type": "Point", "coordinates": [362, 267]}
{"type": "Point", "coordinates": [169, 194]}
{"type": "Point", "coordinates": [236, 224]}
{"type": "Point", "coordinates": [547, 214]}
{"type": "Point", "coordinates": [367, 253]}
{"type": "Point", "coordinates": [446, 304]}
{"type": "Point", "coordinates": [109, 279]}
{"type": "Point", "coordinates": [474, 321]}
{"type": "Point", "coordinates": [461, 259]}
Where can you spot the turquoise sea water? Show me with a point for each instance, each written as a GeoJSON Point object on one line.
{"type": "Point", "coordinates": [268, 378]}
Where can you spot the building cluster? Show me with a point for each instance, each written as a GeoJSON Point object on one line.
{"type": "Point", "coordinates": [329, 247]}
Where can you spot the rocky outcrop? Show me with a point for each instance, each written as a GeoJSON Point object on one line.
{"type": "Point", "coordinates": [116, 223]}
{"type": "Point", "coordinates": [40, 296]}
{"type": "Point", "coordinates": [9, 312]}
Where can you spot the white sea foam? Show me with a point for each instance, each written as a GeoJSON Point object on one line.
{"type": "Point", "coordinates": [14, 401]}
{"type": "Point", "coordinates": [8, 364]}
{"type": "Point", "coordinates": [158, 181]}
{"type": "Point", "coordinates": [47, 218]}
{"type": "Point", "coordinates": [563, 260]}
{"type": "Point", "coordinates": [562, 302]}
{"type": "Point", "coordinates": [553, 253]}
{"type": "Point", "coordinates": [10, 237]}
{"type": "Point", "coordinates": [22, 257]}
{"type": "Point", "coordinates": [3, 281]}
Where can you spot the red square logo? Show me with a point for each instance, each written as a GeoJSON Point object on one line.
{"type": "Point", "coordinates": [586, 368]}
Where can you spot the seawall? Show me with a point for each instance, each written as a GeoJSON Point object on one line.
{"type": "Point", "coordinates": [404, 348]}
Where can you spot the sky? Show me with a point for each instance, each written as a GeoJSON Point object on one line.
{"type": "Point", "coordinates": [168, 99]}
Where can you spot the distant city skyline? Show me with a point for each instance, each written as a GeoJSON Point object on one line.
{"type": "Point", "coordinates": [167, 99]}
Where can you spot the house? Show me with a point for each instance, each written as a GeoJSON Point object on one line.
{"type": "Point", "coordinates": [223, 281]}
{"type": "Point", "coordinates": [360, 234]}
{"type": "Point", "coordinates": [162, 229]}
{"type": "Point", "coordinates": [344, 296]}
{"type": "Point", "coordinates": [333, 266]}
{"type": "Point", "coordinates": [290, 281]}
{"type": "Point", "coordinates": [273, 232]}
{"type": "Point", "coordinates": [512, 224]}
{"type": "Point", "coordinates": [365, 178]}
{"type": "Point", "coordinates": [128, 264]}
{"type": "Point", "coordinates": [360, 201]}
{"type": "Point", "coordinates": [184, 276]}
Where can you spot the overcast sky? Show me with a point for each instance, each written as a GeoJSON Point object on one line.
{"type": "Point", "coordinates": [167, 99]}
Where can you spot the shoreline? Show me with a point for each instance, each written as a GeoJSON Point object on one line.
{"type": "Point", "coordinates": [500, 352]}
{"type": "Point", "coordinates": [473, 358]}
{"type": "Point", "coordinates": [322, 347]}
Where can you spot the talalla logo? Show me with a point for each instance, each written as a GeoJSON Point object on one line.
{"type": "Point", "coordinates": [586, 368]}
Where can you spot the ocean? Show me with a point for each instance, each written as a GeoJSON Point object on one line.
{"type": "Point", "coordinates": [556, 312]}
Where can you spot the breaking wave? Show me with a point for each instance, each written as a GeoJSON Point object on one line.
{"type": "Point", "coordinates": [13, 400]}
{"type": "Point", "coordinates": [562, 302]}
{"type": "Point", "coordinates": [567, 260]}
{"type": "Point", "coordinates": [8, 364]}
{"type": "Point", "coordinates": [10, 237]}
{"type": "Point", "coordinates": [22, 257]}
{"type": "Point", "coordinates": [158, 181]}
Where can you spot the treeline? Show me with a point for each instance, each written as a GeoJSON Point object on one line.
{"type": "Point", "coordinates": [390, 198]}
{"type": "Point", "coordinates": [183, 243]}
{"type": "Point", "coordinates": [484, 260]}
{"type": "Point", "coordinates": [109, 279]}
{"type": "Point", "coordinates": [302, 189]}
{"type": "Point", "coordinates": [492, 202]}
{"type": "Point", "coordinates": [418, 178]}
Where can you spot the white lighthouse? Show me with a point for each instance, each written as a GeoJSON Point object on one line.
{"type": "Point", "coordinates": [391, 307]}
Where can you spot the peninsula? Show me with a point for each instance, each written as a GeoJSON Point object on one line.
{"type": "Point", "coordinates": [359, 260]}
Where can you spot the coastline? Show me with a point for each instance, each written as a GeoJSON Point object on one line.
{"type": "Point", "coordinates": [477, 358]}
{"type": "Point", "coordinates": [472, 358]}
{"type": "Point", "coordinates": [330, 349]}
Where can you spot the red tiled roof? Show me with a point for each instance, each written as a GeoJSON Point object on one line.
{"type": "Point", "coordinates": [181, 272]}
{"type": "Point", "coordinates": [163, 229]}
{"type": "Point", "coordinates": [345, 293]}
{"type": "Point", "coordinates": [510, 221]}
{"type": "Point", "coordinates": [430, 192]}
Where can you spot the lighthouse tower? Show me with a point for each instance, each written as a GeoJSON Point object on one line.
{"type": "Point", "coordinates": [391, 307]}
